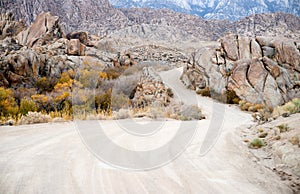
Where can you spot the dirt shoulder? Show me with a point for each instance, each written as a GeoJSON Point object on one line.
{"type": "Point", "coordinates": [276, 146]}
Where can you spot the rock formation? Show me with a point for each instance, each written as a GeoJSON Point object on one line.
{"type": "Point", "coordinates": [151, 90]}
{"type": "Point", "coordinates": [9, 27]}
{"type": "Point", "coordinates": [260, 70]}
{"type": "Point", "coordinates": [45, 28]}
{"type": "Point", "coordinates": [75, 47]}
{"type": "Point", "coordinates": [38, 51]}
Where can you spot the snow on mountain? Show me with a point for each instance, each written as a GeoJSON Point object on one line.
{"type": "Point", "coordinates": [216, 9]}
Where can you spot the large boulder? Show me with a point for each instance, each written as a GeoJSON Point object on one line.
{"type": "Point", "coordinates": [252, 82]}
{"type": "Point", "coordinates": [81, 36]}
{"type": "Point", "coordinates": [75, 47]}
{"type": "Point", "coordinates": [151, 90]}
{"type": "Point", "coordinates": [260, 70]}
{"type": "Point", "coordinates": [44, 29]}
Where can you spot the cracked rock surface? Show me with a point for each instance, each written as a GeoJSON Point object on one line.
{"type": "Point", "coordinates": [260, 70]}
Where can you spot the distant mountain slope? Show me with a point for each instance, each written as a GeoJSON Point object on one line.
{"type": "Point", "coordinates": [90, 15]}
{"type": "Point", "coordinates": [216, 9]}
{"type": "Point", "coordinates": [99, 17]}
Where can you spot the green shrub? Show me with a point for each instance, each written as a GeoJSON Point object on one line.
{"type": "Point", "coordinates": [288, 108]}
{"type": "Point", "coordinates": [103, 101]}
{"type": "Point", "coordinates": [296, 101]}
{"type": "Point", "coordinates": [45, 84]}
{"type": "Point", "coordinates": [89, 79]}
{"type": "Point", "coordinates": [256, 143]}
{"type": "Point", "coordinates": [27, 105]}
{"type": "Point", "coordinates": [8, 105]}
{"type": "Point", "coordinates": [283, 127]}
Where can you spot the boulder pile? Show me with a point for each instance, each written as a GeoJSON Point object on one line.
{"type": "Point", "coordinates": [263, 70]}
{"type": "Point", "coordinates": [151, 90]}
{"type": "Point", "coordinates": [43, 50]}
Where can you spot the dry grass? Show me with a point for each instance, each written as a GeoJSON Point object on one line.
{"type": "Point", "coordinates": [34, 117]}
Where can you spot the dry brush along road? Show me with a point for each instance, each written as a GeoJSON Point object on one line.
{"type": "Point", "coordinates": [60, 157]}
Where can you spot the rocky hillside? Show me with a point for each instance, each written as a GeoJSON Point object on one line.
{"type": "Point", "coordinates": [215, 9]}
{"type": "Point", "coordinates": [99, 17]}
{"type": "Point", "coordinates": [261, 70]}
{"type": "Point", "coordinates": [93, 16]}
{"type": "Point", "coordinates": [44, 50]}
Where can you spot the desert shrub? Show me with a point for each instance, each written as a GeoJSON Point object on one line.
{"type": "Point", "coordinates": [22, 92]}
{"type": "Point", "coordinates": [283, 127]}
{"type": "Point", "coordinates": [114, 73]}
{"type": "Point", "coordinates": [170, 92]}
{"type": "Point", "coordinates": [34, 117]}
{"type": "Point", "coordinates": [60, 100]}
{"type": "Point", "coordinates": [119, 101]}
{"type": "Point", "coordinates": [296, 101]}
{"type": "Point", "coordinates": [256, 143]}
{"type": "Point", "coordinates": [204, 92]}
{"type": "Point", "coordinates": [8, 105]}
{"type": "Point", "coordinates": [43, 102]}
{"type": "Point", "coordinates": [263, 135]}
{"type": "Point", "coordinates": [190, 112]}
{"type": "Point", "coordinates": [107, 85]}
{"type": "Point", "coordinates": [27, 105]}
{"type": "Point", "coordinates": [294, 140]}
{"type": "Point", "coordinates": [156, 112]}
{"type": "Point", "coordinates": [231, 97]}
{"type": "Point", "coordinates": [247, 106]}
{"type": "Point", "coordinates": [125, 84]}
{"type": "Point", "coordinates": [103, 75]}
{"type": "Point", "coordinates": [64, 78]}
{"type": "Point", "coordinates": [122, 114]}
{"type": "Point", "coordinates": [103, 101]}
{"type": "Point", "coordinates": [89, 79]}
{"type": "Point", "coordinates": [45, 84]}
{"type": "Point", "coordinates": [135, 70]}
{"type": "Point", "coordinates": [228, 97]}
{"type": "Point", "coordinates": [288, 108]}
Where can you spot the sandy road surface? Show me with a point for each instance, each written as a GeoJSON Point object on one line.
{"type": "Point", "coordinates": [51, 158]}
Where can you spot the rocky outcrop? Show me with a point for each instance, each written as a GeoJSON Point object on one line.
{"type": "Point", "coordinates": [43, 51]}
{"type": "Point", "coordinates": [9, 27]}
{"type": "Point", "coordinates": [75, 47]}
{"type": "Point", "coordinates": [81, 36]}
{"type": "Point", "coordinates": [261, 70]}
{"type": "Point", "coordinates": [39, 51]}
{"type": "Point", "coordinates": [151, 90]}
{"type": "Point", "coordinates": [45, 28]}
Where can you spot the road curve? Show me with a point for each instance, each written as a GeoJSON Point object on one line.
{"type": "Point", "coordinates": [53, 158]}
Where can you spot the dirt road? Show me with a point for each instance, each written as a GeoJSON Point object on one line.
{"type": "Point", "coordinates": [52, 158]}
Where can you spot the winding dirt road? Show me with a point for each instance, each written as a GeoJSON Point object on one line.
{"type": "Point", "coordinates": [52, 158]}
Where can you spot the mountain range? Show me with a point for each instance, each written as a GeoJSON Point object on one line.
{"type": "Point", "coordinates": [216, 9]}
{"type": "Point", "coordinates": [101, 18]}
